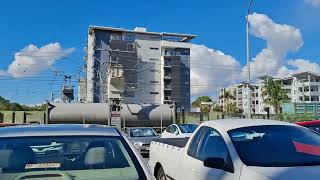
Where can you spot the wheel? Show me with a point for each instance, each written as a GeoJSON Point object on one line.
{"type": "Point", "coordinates": [161, 175]}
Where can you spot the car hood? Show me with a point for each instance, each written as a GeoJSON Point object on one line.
{"type": "Point", "coordinates": [284, 173]}
{"type": "Point", "coordinates": [143, 140]}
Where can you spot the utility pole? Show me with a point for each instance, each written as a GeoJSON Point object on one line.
{"type": "Point", "coordinates": [248, 60]}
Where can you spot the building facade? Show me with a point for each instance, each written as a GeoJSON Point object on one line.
{"type": "Point", "coordinates": [302, 87]}
{"type": "Point", "coordinates": [240, 94]}
{"type": "Point", "coordinates": [137, 67]}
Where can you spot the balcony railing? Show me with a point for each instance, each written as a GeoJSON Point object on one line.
{"type": "Point", "coordinates": [167, 64]}
{"type": "Point", "coordinates": [167, 98]}
{"type": "Point", "coordinates": [167, 87]}
{"type": "Point", "coordinates": [167, 76]}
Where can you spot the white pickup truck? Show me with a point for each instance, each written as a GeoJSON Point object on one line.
{"type": "Point", "coordinates": [239, 150]}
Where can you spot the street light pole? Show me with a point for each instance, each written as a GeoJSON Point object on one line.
{"type": "Point", "coordinates": [248, 59]}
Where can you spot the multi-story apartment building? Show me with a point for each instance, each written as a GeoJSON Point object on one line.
{"type": "Point", "coordinates": [136, 66]}
{"type": "Point", "coordinates": [240, 95]}
{"type": "Point", "coordinates": [302, 87]}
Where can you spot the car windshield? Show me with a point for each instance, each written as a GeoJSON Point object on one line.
{"type": "Point", "coordinates": [68, 158]}
{"type": "Point", "coordinates": [187, 128]}
{"type": "Point", "coordinates": [142, 132]}
{"type": "Point", "coordinates": [276, 146]}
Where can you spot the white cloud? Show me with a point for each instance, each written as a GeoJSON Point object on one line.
{"type": "Point", "coordinates": [211, 69]}
{"type": "Point", "coordinates": [298, 65]}
{"type": "Point", "coordinates": [272, 60]}
{"type": "Point", "coordinates": [32, 60]}
{"type": "Point", "coordinates": [280, 39]}
{"type": "Point", "coordinates": [315, 3]}
{"type": "Point", "coordinates": [301, 65]}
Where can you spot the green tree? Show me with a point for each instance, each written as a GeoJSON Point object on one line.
{"type": "Point", "coordinates": [6, 105]}
{"type": "Point", "coordinates": [203, 108]}
{"type": "Point", "coordinates": [274, 95]}
{"type": "Point", "coordinates": [227, 96]}
{"type": "Point", "coordinates": [232, 108]}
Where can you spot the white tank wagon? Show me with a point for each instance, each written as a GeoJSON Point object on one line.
{"type": "Point", "coordinates": [147, 115]}
{"type": "Point", "coordinates": [99, 113]}
{"type": "Point", "coordinates": [89, 113]}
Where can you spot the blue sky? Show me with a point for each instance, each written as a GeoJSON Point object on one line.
{"type": "Point", "coordinates": [219, 24]}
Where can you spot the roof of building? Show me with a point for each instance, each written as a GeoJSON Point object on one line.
{"type": "Point", "coordinates": [58, 130]}
{"type": "Point", "coordinates": [289, 77]}
{"type": "Point", "coordinates": [305, 73]}
{"type": "Point", "coordinates": [229, 124]}
{"type": "Point", "coordinates": [184, 37]}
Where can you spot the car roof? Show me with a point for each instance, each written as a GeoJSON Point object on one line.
{"type": "Point", "coordinates": [229, 124]}
{"type": "Point", "coordinates": [306, 123]}
{"type": "Point", "coordinates": [58, 130]}
{"type": "Point", "coordinates": [140, 128]}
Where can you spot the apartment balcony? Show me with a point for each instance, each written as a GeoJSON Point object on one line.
{"type": "Point", "coordinates": [167, 76]}
{"type": "Point", "coordinates": [312, 93]}
{"type": "Point", "coordinates": [167, 64]}
{"type": "Point", "coordinates": [287, 86]}
{"type": "Point", "coordinates": [167, 87]}
{"type": "Point", "coordinates": [167, 99]}
{"type": "Point", "coordinates": [312, 83]}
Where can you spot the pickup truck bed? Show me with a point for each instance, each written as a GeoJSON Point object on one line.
{"type": "Point", "coordinates": [178, 142]}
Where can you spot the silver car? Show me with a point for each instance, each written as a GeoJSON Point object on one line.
{"type": "Point", "coordinates": [141, 138]}
{"type": "Point", "coordinates": [69, 152]}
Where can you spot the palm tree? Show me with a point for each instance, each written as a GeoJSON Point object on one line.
{"type": "Point", "coordinates": [227, 96]}
{"type": "Point", "coordinates": [230, 107]}
{"type": "Point", "coordinates": [274, 95]}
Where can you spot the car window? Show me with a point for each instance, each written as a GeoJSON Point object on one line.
{"type": "Point", "coordinates": [193, 147]}
{"type": "Point", "coordinates": [97, 157]}
{"type": "Point", "coordinates": [142, 132]}
{"type": "Point", "coordinates": [187, 128]}
{"type": "Point", "coordinates": [283, 145]}
{"type": "Point", "coordinates": [314, 127]}
{"type": "Point", "coordinates": [212, 145]}
{"type": "Point", "coordinates": [170, 129]}
{"type": "Point", "coordinates": [174, 129]}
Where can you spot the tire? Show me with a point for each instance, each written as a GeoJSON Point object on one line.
{"type": "Point", "coordinates": [161, 175]}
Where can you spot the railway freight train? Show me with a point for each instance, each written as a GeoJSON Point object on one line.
{"type": "Point", "coordinates": [130, 115]}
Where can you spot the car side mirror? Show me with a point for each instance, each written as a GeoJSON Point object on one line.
{"type": "Point", "coordinates": [218, 163]}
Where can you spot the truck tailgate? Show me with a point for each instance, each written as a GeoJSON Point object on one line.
{"type": "Point", "coordinates": [168, 153]}
{"type": "Point", "coordinates": [178, 142]}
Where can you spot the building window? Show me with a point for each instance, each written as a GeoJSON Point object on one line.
{"type": "Point", "coordinates": [153, 59]}
{"type": "Point", "coordinates": [154, 93]}
{"type": "Point", "coordinates": [129, 37]}
{"type": "Point", "coordinates": [154, 48]}
{"type": "Point", "coordinates": [154, 81]}
{"type": "Point", "coordinates": [154, 37]}
{"type": "Point", "coordinates": [186, 83]}
{"type": "Point", "coordinates": [116, 37]}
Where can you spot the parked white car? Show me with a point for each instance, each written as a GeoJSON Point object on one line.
{"type": "Point", "coordinates": [179, 131]}
{"type": "Point", "coordinates": [69, 152]}
{"type": "Point", "coordinates": [239, 149]}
